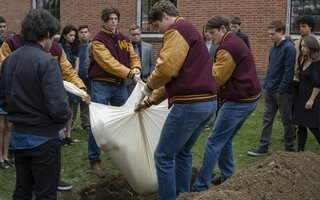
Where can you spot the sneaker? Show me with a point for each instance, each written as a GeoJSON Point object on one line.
{"type": "Point", "coordinates": [64, 142]}
{"type": "Point", "coordinates": [97, 170]}
{"type": "Point", "coordinates": [63, 186]}
{"type": "Point", "coordinates": [69, 141]}
{"type": "Point", "coordinates": [218, 180]}
{"type": "Point", "coordinates": [206, 127]}
{"type": "Point", "coordinates": [258, 152]}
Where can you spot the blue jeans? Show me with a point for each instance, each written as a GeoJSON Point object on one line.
{"type": "Point", "coordinates": [231, 117]}
{"type": "Point", "coordinates": [173, 158]}
{"type": "Point", "coordinates": [108, 94]}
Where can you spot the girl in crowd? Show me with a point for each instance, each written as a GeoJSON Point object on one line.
{"type": "Point", "coordinates": [70, 43]}
{"type": "Point", "coordinates": [5, 126]}
{"type": "Point", "coordinates": [307, 109]}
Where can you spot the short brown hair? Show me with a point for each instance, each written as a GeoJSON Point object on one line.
{"type": "Point", "coordinates": [217, 22]}
{"type": "Point", "coordinates": [108, 11]}
{"type": "Point", "coordinates": [278, 25]}
{"type": "Point", "coordinates": [162, 6]}
{"type": "Point", "coordinates": [235, 20]}
{"type": "Point", "coordinates": [134, 27]}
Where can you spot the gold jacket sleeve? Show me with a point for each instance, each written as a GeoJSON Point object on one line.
{"type": "Point", "coordinates": [108, 63]}
{"type": "Point", "coordinates": [223, 67]}
{"type": "Point", "coordinates": [159, 95]}
{"type": "Point", "coordinates": [5, 51]}
{"type": "Point", "coordinates": [171, 58]}
{"type": "Point", "coordinates": [69, 74]}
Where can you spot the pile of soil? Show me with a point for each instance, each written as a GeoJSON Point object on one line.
{"type": "Point", "coordinates": [282, 175]}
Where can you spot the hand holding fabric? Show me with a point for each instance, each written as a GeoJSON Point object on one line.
{"type": "Point", "coordinates": [87, 99]}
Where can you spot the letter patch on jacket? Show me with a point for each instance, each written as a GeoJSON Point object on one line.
{"type": "Point", "coordinates": [124, 45]}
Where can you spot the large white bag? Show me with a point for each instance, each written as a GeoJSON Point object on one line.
{"type": "Point", "coordinates": [129, 139]}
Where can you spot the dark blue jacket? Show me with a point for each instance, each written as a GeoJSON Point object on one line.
{"type": "Point", "coordinates": [82, 70]}
{"type": "Point", "coordinates": [281, 68]}
{"type": "Point", "coordinates": [32, 92]}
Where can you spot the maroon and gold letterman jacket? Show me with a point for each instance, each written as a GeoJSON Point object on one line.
{"type": "Point", "coordinates": [235, 69]}
{"type": "Point", "coordinates": [183, 67]}
{"type": "Point", "coordinates": [112, 57]}
{"type": "Point", "coordinates": [68, 73]}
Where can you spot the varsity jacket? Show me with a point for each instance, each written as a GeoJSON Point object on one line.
{"type": "Point", "coordinates": [235, 70]}
{"type": "Point", "coordinates": [68, 73]}
{"type": "Point", "coordinates": [112, 57]}
{"type": "Point", "coordinates": [184, 67]}
{"type": "Point", "coordinates": [28, 78]}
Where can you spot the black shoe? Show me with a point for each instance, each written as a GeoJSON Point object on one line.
{"type": "Point", "coordinates": [218, 180]}
{"type": "Point", "coordinates": [64, 142]}
{"type": "Point", "coordinates": [64, 186]}
{"type": "Point", "coordinates": [69, 141]}
{"type": "Point", "coordinates": [258, 152]}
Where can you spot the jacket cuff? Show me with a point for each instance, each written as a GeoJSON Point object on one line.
{"type": "Point", "coordinates": [148, 103]}
{"type": "Point", "coordinates": [130, 75]}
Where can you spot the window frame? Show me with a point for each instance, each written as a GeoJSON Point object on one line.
{"type": "Point", "coordinates": [288, 22]}
{"type": "Point", "coordinates": [152, 36]}
{"type": "Point", "coordinates": [34, 6]}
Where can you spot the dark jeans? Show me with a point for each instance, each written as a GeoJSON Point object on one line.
{"type": "Point", "coordinates": [274, 102]}
{"type": "Point", "coordinates": [104, 93]}
{"type": "Point", "coordinates": [37, 170]}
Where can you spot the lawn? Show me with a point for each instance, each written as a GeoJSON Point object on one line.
{"type": "Point", "coordinates": [76, 169]}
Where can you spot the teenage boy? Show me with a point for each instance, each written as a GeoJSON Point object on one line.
{"type": "Point", "coordinates": [235, 25]}
{"type": "Point", "coordinates": [84, 36]}
{"type": "Point", "coordinates": [239, 95]}
{"type": "Point", "coordinates": [278, 88]}
{"type": "Point", "coordinates": [3, 25]}
{"type": "Point", "coordinates": [183, 75]}
{"type": "Point", "coordinates": [28, 77]}
{"type": "Point", "coordinates": [112, 61]}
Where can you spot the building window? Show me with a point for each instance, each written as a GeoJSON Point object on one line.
{"type": "Point", "coordinates": [53, 6]}
{"type": "Point", "coordinates": [143, 11]}
{"type": "Point", "coordinates": [299, 8]}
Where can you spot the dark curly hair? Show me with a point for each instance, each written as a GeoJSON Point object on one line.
{"type": "Point", "coordinates": [310, 21]}
{"type": "Point", "coordinates": [37, 24]}
{"type": "Point", "coordinates": [76, 44]}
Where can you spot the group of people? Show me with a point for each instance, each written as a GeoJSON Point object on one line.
{"type": "Point", "coordinates": [199, 75]}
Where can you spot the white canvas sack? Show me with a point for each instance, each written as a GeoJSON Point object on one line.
{"type": "Point", "coordinates": [129, 139]}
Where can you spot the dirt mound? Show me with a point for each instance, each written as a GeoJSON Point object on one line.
{"type": "Point", "coordinates": [116, 188]}
{"type": "Point", "coordinates": [282, 175]}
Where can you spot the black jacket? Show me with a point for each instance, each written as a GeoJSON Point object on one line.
{"type": "Point", "coordinates": [32, 92]}
{"type": "Point", "coordinates": [244, 37]}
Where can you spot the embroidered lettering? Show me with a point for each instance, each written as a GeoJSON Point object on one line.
{"type": "Point", "coordinates": [124, 45]}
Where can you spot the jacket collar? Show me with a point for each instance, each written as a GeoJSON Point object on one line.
{"type": "Point", "coordinates": [225, 36]}
{"type": "Point", "coordinates": [104, 29]}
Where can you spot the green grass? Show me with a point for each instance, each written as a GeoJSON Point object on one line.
{"type": "Point", "coordinates": [76, 169]}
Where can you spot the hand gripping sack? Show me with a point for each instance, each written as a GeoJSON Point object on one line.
{"type": "Point", "coordinates": [129, 139]}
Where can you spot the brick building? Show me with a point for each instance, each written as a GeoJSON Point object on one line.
{"type": "Point", "coordinates": [255, 16]}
